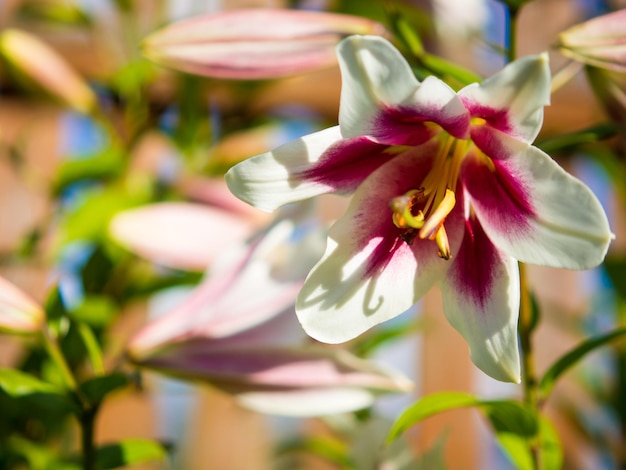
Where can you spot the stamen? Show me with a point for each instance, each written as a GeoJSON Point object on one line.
{"type": "Point", "coordinates": [435, 220]}
{"type": "Point", "coordinates": [441, 238]}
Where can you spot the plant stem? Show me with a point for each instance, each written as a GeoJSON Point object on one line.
{"type": "Point", "coordinates": [56, 355]}
{"type": "Point", "coordinates": [529, 377]}
{"type": "Point", "coordinates": [511, 39]}
{"type": "Point", "coordinates": [87, 424]}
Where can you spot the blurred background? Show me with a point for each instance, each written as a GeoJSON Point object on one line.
{"type": "Point", "coordinates": [160, 135]}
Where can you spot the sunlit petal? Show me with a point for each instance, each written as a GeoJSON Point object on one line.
{"type": "Point", "coordinates": [481, 301]}
{"type": "Point", "coordinates": [315, 164]}
{"type": "Point", "coordinates": [369, 274]}
{"type": "Point", "coordinates": [512, 100]}
{"type": "Point", "coordinates": [380, 96]}
{"type": "Point", "coordinates": [531, 208]}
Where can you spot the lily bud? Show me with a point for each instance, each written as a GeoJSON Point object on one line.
{"type": "Point", "coordinates": [254, 43]}
{"type": "Point", "coordinates": [18, 312]}
{"type": "Point", "coordinates": [600, 42]}
{"type": "Point", "coordinates": [40, 65]}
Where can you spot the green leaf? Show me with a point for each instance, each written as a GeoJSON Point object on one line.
{"type": "Point", "coordinates": [515, 425]}
{"type": "Point", "coordinates": [511, 417]}
{"type": "Point", "coordinates": [551, 449]}
{"type": "Point", "coordinates": [129, 452]}
{"type": "Point", "coordinates": [429, 406]}
{"type": "Point", "coordinates": [572, 357]}
{"type": "Point", "coordinates": [19, 384]}
{"type": "Point", "coordinates": [95, 310]}
{"type": "Point", "coordinates": [97, 388]}
{"type": "Point", "coordinates": [102, 166]}
{"type": "Point", "coordinates": [585, 136]}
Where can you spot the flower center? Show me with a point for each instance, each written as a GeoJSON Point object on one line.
{"type": "Point", "coordinates": [421, 212]}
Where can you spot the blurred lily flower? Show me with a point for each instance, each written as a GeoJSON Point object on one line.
{"type": "Point", "coordinates": [35, 61]}
{"type": "Point", "coordinates": [254, 43]}
{"type": "Point", "coordinates": [18, 312]}
{"type": "Point", "coordinates": [446, 189]}
{"type": "Point", "coordinates": [600, 41]}
{"type": "Point", "coordinates": [179, 235]}
{"type": "Point", "coordinates": [238, 332]}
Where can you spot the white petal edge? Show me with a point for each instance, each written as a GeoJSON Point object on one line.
{"type": "Point", "coordinates": [374, 75]}
{"type": "Point", "coordinates": [570, 228]}
{"type": "Point", "coordinates": [522, 89]}
{"type": "Point", "coordinates": [491, 330]}
{"type": "Point", "coordinates": [266, 181]}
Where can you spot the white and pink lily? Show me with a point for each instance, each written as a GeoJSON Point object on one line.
{"type": "Point", "coordinates": [446, 188]}
{"type": "Point", "coordinates": [238, 332]}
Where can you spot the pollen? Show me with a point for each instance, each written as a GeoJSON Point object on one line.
{"type": "Point", "coordinates": [422, 212]}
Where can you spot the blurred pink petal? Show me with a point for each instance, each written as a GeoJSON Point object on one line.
{"type": "Point", "coordinates": [18, 312]}
{"type": "Point", "coordinates": [600, 41]}
{"type": "Point", "coordinates": [238, 331]}
{"type": "Point", "coordinates": [46, 68]}
{"type": "Point", "coordinates": [254, 43]}
{"type": "Point", "coordinates": [178, 234]}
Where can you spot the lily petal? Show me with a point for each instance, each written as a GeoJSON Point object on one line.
{"type": "Point", "coordinates": [179, 234]}
{"type": "Point", "coordinates": [381, 98]}
{"type": "Point", "coordinates": [600, 41]}
{"type": "Point", "coordinates": [276, 379]}
{"type": "Point", "coordinates": [315, 164]}
{"type": "Point", "coordinates": [481, 301]}
{"type": "Point", "coordinates": [248, 286]}
{"type": "Point", "coordinates": [512, 100]}
{"type": "Point", "coordinates": [368, 273]}
{"type": "Point", "coordinates": [531, 208]}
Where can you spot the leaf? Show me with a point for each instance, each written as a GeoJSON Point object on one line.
{"type": "Point", "coordinates": [96, 311]}
{"type": "Point", "coordinates": [514, 425]}
{"type": "Point", "coordinates": [97, 388]}
{"type": "Point", "coordinates": [585, 136]}
{"type": "Point", "coordinates": [429, 406]}
{"type": "Point", "coordinates": [101, 166]}
{"type": "Point", "coordinates": [129, 452]}
{"type": "Point", "coordinates": [572, 357]}
{"type": "Point", "coordinates": [511, 417]}
{"type": "Point", "coordinates": [19, 384]}
{"type": "Point", "coordinates": [551, 449]}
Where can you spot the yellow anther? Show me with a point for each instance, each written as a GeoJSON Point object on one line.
{"type": "Point", "coordinates": [438, 216]}
{"type": "Point", "coordinates": [441, 238]}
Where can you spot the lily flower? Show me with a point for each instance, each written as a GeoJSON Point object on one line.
{"type": "Point", "coordinates": [238, 332]}
{"type": "Point", "coordinates": [446, 189]}
{"type": "Point", "coordinates": [600, 41]}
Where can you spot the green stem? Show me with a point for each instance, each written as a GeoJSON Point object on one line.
{"type": "Point", "coordinates": [53, 349]}
{"type": "Point", "coordinates": [512, 35]}
{"type": "Point", "coordinates": [87, 424]}
{"type": "Point", "coordinates": [529, 375]}
{"type": "Point", "coordinates": [93, 348]}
